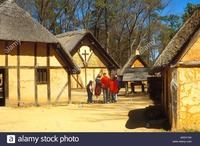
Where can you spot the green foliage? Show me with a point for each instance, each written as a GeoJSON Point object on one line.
{"type": "Point", "coordinates": [173, 23]}
{"type": "Point", "coordinates": [189, 11]}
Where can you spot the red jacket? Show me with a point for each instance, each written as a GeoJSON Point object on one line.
{"type": "Point", "coordinates": [105, 82]}
{"type": "Point", "coordinates": [114, 86]}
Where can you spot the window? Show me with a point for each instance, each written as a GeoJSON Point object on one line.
{"type": "Point", "coordinates": [41, 75]}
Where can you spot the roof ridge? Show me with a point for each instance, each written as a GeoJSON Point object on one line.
{"type": "Point", "coordinates": [73, 33]}
{"type": "Point", "coordinates": [8, 2]}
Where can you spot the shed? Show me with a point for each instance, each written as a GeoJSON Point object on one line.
{"type": "Point", "coordinates": [179, 65]}
{"type": "Point", "coordinates": [135, 71]}
{"type": "Point", "coordinates": [87, 52]}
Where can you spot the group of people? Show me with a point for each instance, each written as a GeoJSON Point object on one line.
{"type": "Point", "coordinates": [110, 87]}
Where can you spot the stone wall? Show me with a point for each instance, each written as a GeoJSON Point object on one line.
{"type": "Point", "coordinates": [189, 98]}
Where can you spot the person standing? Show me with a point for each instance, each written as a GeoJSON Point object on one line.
{"type": "Point", "coordinates": [98, 86]}
{"type": "Point", "coordinates": [118, 86]}
{"type": "Point", "coordinates": [105, 83]}
{"type": "Point", "coordinates": [114, 89]}
{"type": "Point", "coordinates": [89, 88]}
{"type": "Point", "coordinates": [112, 86]}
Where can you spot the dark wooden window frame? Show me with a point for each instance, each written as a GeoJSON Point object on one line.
{"type": "Point", "coordinates": [42, 76]}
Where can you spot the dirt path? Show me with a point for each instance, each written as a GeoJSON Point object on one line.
{"type": "Point", "coordinates": [125, 116]}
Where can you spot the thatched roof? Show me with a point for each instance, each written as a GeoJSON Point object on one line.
{"type": "Point", "coordinates": [17, 24]}
{"type": "Point", "coordinates": [72, 38]}
{"type": "Point", "coordinates": [130, 62]}
{"type": "Point", "coordinates": [177, 45]}
{"type": "Point", "coordinates": [70, 41]}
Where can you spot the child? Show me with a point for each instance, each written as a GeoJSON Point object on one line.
{"type": "Point", "coordinates": [89, 88]}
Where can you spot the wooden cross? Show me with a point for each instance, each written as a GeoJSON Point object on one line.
{"type": "Point", "coordinates": [85, 54]}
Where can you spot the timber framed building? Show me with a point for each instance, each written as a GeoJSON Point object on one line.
{"type": "Point", "coordinates": [89, 55]}
{"type": "Point", "coordinates": [34, 67]}
{"type": "Point", "coordinates": [179, 65]}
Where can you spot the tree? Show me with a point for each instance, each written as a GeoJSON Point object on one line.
{"type": "Point", "coordinates": [190, 8]}
{"type": "Point", "coordinates": [122, 27]}
{"type": "Point", "coordinates": [136, 27]}
{"type": "Point", "coordinates": [57, 15]}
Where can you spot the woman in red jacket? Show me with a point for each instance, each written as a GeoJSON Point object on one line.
{"type": "Point", "coordinates": [114, 89]}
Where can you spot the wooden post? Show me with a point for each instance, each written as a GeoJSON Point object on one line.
{"type": "Point", "coordinates": [86, 79]}
{"type": "Point", "coordinates": [126, 88]}
{"type": "Point", "coordinates": [48, 74]}
{"type": "Point", "coordinates": [6, 73]}
{"type": "Point", "coordinates": [69, 88]}
{"type": "Point", "coordinates": [62, 90]}
{"type": "Point", "coordinates": [94, 77]}
{"type": "Point", "coordinates": [77, 80]}
{"type": "Point", "coordinates": [35, 67]}
{"type": "Point", "coordinates": [18, 74]}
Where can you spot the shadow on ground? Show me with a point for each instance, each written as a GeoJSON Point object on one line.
{"type": "Point", "coordinates": [144, 118]}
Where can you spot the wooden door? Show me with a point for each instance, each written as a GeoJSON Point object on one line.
{"type": "Point", "coordinates": [2, 93]}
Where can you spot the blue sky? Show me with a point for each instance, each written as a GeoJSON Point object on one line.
{"type": "Point", "coordinates": [177, 6]}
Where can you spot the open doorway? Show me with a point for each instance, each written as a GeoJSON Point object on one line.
{"type": "Point", "coordinates": [2, 93]}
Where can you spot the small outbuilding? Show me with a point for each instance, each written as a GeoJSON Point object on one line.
{"type": "Point", "coordinates": [179, 65]}
{"type": "Point", "coordinates": [89, 55]}
{"type": "Point", "coordinates": [135, 72]}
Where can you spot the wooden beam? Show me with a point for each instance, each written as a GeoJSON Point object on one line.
{"type": "Point", "coordinates": [77, 81]}
{"type": "Point", "coordinates": [18, 74]}
{"type": "Point", "coordinates": [94, 77]}
{"type": "Point", "coordinates": [86, 78]}
{"type": "Point", "coordinates": [189, 64]}
{"type": "Point", "coordinates": [48, 74]}
{"type": "Point", "coordinates": [6, 72]}
{"type": "Point", "coordinates": [126, 88]}
{"type": "Point", "coordinates": [35, 66]}
{"type": "Point", "coordinates": [69, 89]}
{"type": "Point", "coordinates": [62, 90]}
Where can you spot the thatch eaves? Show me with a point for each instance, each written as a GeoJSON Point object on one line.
{"type": "Point", "coordinates": [17, 24]}
{"type": "Point", "coordinates": [130, 62]}
{"type": "Point", "coordinates": [177, 44]}
{"type": "Point", "coordinates": [70, 40]}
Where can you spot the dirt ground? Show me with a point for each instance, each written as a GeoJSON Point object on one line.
{"type": "Point", "coordinates": [127, 115]}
